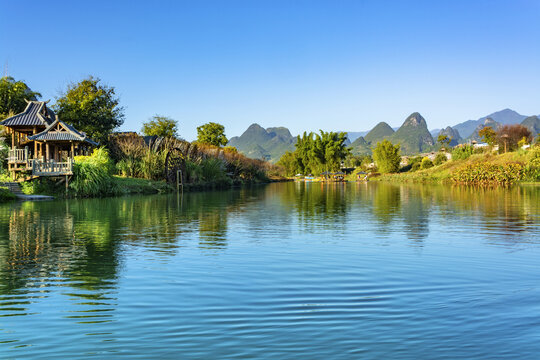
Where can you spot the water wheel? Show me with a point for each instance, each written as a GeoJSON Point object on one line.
{"type": "Point", "coordinates": [175, 162]}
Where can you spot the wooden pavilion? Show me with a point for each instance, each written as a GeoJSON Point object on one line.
{"type": "Point", "coordinates": [42, 143]}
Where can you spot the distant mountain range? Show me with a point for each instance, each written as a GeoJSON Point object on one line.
{"type": "Point", "coordinates": [413, 135]}
{"type": "Point", "coordinates": [504, 117]}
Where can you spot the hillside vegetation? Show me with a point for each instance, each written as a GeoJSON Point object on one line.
{"type": "Point", "coordinates": [268, 144]}
{"type": "Point", "coordinates": [483, 168]}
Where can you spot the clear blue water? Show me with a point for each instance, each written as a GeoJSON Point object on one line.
{"type": "Point", "coordinates": [283, 271]}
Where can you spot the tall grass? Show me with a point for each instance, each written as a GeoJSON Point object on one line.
{"type": "Point", "coordinates": [92, 175]}
{"type": "Point", "coordinates": [204, 164]}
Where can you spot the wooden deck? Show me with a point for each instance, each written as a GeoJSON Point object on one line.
{"type": "Point", "coordinates": [18, 160]}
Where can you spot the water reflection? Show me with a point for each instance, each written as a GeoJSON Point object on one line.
{"type": "Point", "coordinates": [80, 244]}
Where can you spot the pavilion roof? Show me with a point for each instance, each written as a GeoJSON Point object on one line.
{"type": "Point", "coordinates": [36, 113]}
{"type": "Point", "coordinates": [60, 131]}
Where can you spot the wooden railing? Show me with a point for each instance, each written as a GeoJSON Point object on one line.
{"type": "Point", "coordinates": [52, 168]}
{"type": "Point", "coordinates": [18, 155]}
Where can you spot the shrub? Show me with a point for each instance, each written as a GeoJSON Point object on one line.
{"type": "Point", "coordinates": [92, 175]}
{"type": "Point", "coordinates": [532, 169]}
{"type": "Point", "coordinates": [415, 166]}
{"type": "Point", "coordinates": [440, 158]}
{"type": "Point", "coordinates": [485, 174]}
{"type": "Point", "coordinates": [6, 195]}
{"type": "Point", "coordinates": [41, 186]}
{"type": "Point", "coordinates": [152, 164]}
{"type": "Point", "coordinates": [426, 163]}
{"type": "Point", "coordinates": [387, 157]}
{"type": "Point", "coordinates": [462, 152]}
{"type": "Point", "coordinates": [213, 171]}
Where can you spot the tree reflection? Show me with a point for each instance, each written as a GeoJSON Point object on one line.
{"type": "Point", "coordinates": [79, 243]}
{"type": "Point", "coordinates": [317, 204]}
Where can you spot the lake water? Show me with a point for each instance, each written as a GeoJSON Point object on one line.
{"type": "Point", "coordinates": [284, 271]}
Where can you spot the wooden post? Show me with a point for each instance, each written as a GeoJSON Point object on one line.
{"type": "Point", "coordinates": [179, 180]}
{"type": "Point", "coordinates": [12, 139]}
{"type": "Point", "coordinates": [35, 143]}
{"type": "Point", "coordinates": [72, 150]}
{"type": "Point", "coordinates": [47, 154]}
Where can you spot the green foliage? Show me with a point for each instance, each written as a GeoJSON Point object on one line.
{"type": "Point", "coordinates": [128, 167]}
{"type": "Point", "coordinates": [290, 163]}
{"type": "Point", "coordinates": [206, 165]}
{"type": "Point", "coordinates": [426, 163]}
{"type": "Point", "coordinates": [259, 143]}
{"type": "Point", "coordinates": [489, 174]}
{"type": "Point", "coordinates": [329, 150]}
{"type": "Point", "coordinates": [444, 140]}
{"type": "Point", "coordinates": [12, 96]}
{"type": "Point", "coordinates": [6, 195]}
{"type": "Point", "coordinates": [230, 149]}
{"type": "Point", "coordinates": [380, 132]}
{"type": "Point", "coordinates": [212, 133]}
{"type": "Point", "coordinates": [355, 160]}
{"type": "Point", "coordinates": [92, 175]}
{"type": "Point", "coordinates": [316, 153]}
{"type": "Point", "coordinates": [140, 186]}
{"type": "Point", "coordinates": [413, 136]}
{"type": "Point", "coordinates": [3, 157]}
{"type": "Point", "coordinates": [532, 169]}
{"type": "Point", "coordinates": [439, 159]}
{"type": "Point", "coordinates": [413, 164]}
{"type": "Point", "coordinates": [387, 156]}
{"type": "Point", "coordinates": [462, 152]}
{"type": "Point", "coordinates": [488, 135]}
{"type": "Point", "coordinates": [43, 186]}
{"type": "Point", "coordinates": [91, 107]}
{"type": "Point", "coordinates": [160, 126]}
{"type": "Point", "coordinates": [152, 164]}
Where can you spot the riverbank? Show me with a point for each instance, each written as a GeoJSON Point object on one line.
{"type": "Point", "coordinates": [119, 186]}
{"type": "Point", "coordinates": [504, 169]}
{"type": "Point", "coordinates": [6, 195]}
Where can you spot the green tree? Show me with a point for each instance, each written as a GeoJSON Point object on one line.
{"type": "Point", "coordinates": [488, 135]}
{"type": "Point", "coordinates": [290, 163]}
{"type": "Point", "coordinates": [160, 126]}
{"type": "Point", "coordinates": [13, 95]}
{"type": "Point", "coordinates": [387, 156]}
{"type": "Point", "coordinates": [212, 133]}
{"type": "Point", "coordinates": [305, 154]}
{"type": "Point", "coordinates": [330, 150]}
{"type": "Point", "coordinates": [316, 153]}
{"type": "Point", "coordinates": [91, 107]}
{"type": "Point", "coordinates": [444, 140]}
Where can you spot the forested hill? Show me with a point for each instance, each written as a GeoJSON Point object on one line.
{"type": "Point", "coordinates": [414, 136]}
{"type": "Point", "coordinates": [268, 144]}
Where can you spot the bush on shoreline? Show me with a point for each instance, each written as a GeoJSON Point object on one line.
{"type": "Point", "coordinates": [92, 175]}
{"type": "Point", "coordinates": [6, 195]}
{"type": "Point", "coordinates": [489, 174]}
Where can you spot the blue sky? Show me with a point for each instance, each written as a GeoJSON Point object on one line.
{"type": "Point", "coordinates": [307, 65]}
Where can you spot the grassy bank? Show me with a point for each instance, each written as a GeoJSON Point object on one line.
{"type": "Point", "coordinates": [6, 195]}
{"type": "Point", "coordinates": [117, 186]}
{"type": "Point", "coordinates": [504, 169]}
